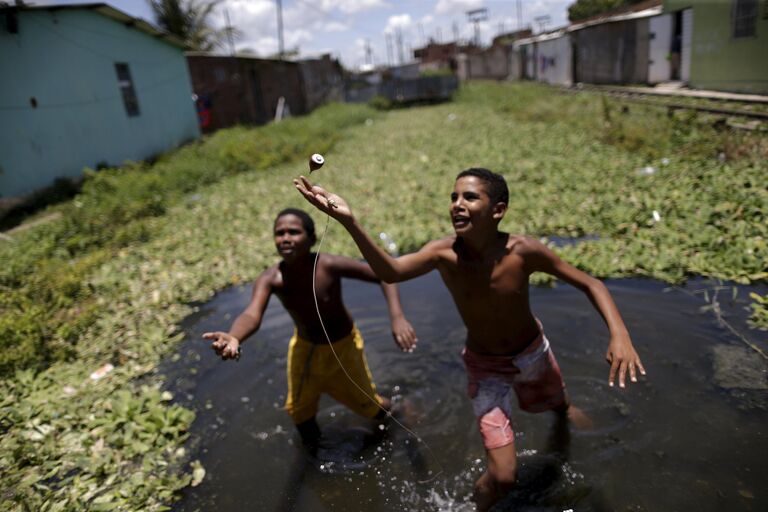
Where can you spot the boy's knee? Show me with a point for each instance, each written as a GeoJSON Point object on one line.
{"type": "Point", "coordinates": [504, 478]}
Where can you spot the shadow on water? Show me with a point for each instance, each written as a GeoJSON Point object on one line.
{"type": "Point", "coordinates": [694, 435]}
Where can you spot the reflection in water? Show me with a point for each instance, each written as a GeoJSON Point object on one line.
{"type": "Point", "coordinates": [691, 436]}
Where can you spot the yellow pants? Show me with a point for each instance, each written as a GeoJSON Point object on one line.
{"type": "Point", "coordinates": [313, 369]}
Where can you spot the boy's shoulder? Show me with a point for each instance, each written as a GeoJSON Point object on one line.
{"type": "Point", "coordinates": [271, 275]}
{"type": "Point", "coordinates": [447, 242]}
{"type": "Point", "coordinates": [523, 245]}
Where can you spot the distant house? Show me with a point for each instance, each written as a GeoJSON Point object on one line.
{"type": "Point", "coordinates": [243, 89]}
{"type": "Point", "coordinates": [86, 86]}
{"type": "Point", "coordinates": [494, 62]}
{"type": "Point", "coordinates": [546, 57]}
{"type": "Point", "coordinates": [435, 56]}
{"type": "Point", "coordinates": [322, 80]}
{"type": "Point", "coordinates": [615, 48]}
{"type": "Point", "coordinates": [720, 45]}
{"type": "Point", "coordinates": [631, 44]}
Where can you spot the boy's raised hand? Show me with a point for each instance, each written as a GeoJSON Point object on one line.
{"type": "Point", "coordinates": [623, 358]}
{"type": "Point", "coordinates": [225, 345]}
{"type": "Point", "coordinates": [323, 200]}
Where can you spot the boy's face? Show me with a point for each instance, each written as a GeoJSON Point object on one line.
{"type": "Point", "coordinates": [291, 239]}
{"type": "Point", "coordinates": [471, 206]}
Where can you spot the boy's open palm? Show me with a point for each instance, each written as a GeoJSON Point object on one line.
{"type": "Point", "coordinates": [323, 200]}
{"type": "Point", "coordinates": [225, 345]}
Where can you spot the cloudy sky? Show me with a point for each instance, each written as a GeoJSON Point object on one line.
{"type": "Point", "coordinates": [348, 28]}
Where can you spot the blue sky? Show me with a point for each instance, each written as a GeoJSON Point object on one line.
{"type": "Point", "coordinates": [345, 27]}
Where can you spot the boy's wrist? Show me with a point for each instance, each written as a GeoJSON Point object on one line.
{"type": "Point", "coordinates": [349, 222]}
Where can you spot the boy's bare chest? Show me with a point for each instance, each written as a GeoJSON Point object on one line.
{"type": "Point", "coordinates": [297, 291]}
{"type": "Point", "coordinates": [490, 280]}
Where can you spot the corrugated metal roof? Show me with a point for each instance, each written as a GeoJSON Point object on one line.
{"type": "Point", "coordinates": [109, 12]}
{"type": "Point", "coordinates": [645, 13]}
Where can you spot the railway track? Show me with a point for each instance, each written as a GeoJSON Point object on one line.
{"type": "Point", "coordinates": [666, 101]}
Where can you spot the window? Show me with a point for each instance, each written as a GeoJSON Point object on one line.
{"type": "Point", "coordinates": [125, 83]}
{"type": "Point", "coordinates": [744, 18]}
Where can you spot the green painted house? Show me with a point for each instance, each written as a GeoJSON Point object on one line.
{"type": "Point", "coordinates": [85, 86]}
{"type": "Point", "coordinates": [720, 44]}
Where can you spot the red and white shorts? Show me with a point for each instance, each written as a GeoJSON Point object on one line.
{"type": "Point", "coordinates": [534, 376]}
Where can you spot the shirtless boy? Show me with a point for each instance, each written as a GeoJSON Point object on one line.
{"type": "Point", "coordinates": [312, 366]}
{"type": "Point", "coordinates": [487, 273]}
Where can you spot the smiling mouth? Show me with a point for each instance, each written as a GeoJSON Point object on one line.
{"type": "Point", "coordinates": [460, 222]}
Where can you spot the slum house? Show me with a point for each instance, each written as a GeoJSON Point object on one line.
{"type": "Point", "coordinates": [546, 57]}
{"type": "Point", "coordinates": [437, 56]}
{"type": "Point", "coordinates": [490, 63]}
{"type": "Point", "coordinates": [243, 89]}
{"type": "Point", "coordinates": [720, 46]}
{"type": "Point", "coordinates": [86, 86]}
{"type": "Point", "coordinates": [614, 48]}
{"type": "Point", "coordinates": [362, 87]}
{"type": "Point", "coordinates": [322, 81]}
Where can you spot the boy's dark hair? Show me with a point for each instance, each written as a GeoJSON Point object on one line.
{"type": "Point", "coordinates": [306, 221]}
{"type": "Point", "coordinates": [496, 185]}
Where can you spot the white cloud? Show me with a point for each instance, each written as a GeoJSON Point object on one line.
{"type": "Point", "coordinates": [457, 6]}
{"type": "Point", "coordinates": [334, 26]}
{"type": "Point", "coordinates": [400, 21]}
{"type": "Point", "coordinates": [351, 6]}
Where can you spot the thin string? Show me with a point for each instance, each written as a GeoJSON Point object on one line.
{"type": "Point", "coordinates": [330, 344]}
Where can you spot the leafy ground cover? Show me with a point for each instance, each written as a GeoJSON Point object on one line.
{"type": "Point", "coordinates": [108, 282]}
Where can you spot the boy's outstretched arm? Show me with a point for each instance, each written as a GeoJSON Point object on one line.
{"type": "Point", "coordinates": [389, 269]}
{"type": "Point", "coordinates": [402, 330]}
{"type": "Point", "coordinates": [227, 344]}
{"type": "Point", "coordinates": [621, 354]}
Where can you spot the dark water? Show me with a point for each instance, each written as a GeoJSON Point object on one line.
{"type": "Point", "coordinates": [693, 435]}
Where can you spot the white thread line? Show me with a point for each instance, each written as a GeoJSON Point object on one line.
{"type": "Point", "coordinates": [330, 344]}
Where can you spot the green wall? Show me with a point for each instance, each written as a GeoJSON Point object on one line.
{"type": "Point", "coordinates": [718, 61]}
{"type": "Point", "coordinates": [65, 60]}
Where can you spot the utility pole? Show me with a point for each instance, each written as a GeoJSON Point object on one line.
{"type": "Point", "coordinates": [390, 53]}
{"type": "Point", "coordinates": [476, 16]}
{"type": "Point", "coordinates": [421, 34]}
{"type": "Point", "coordinates": [399, 42]}
{"type": "Point", "coordinates": [542, 21]}
{"type": "Point", "coordinates": [519, 15]}
{"type": "Point", "coordinates": [229, 33]}
{"type": "Point", "coordinates": [368, 52]}
{"type": "Point", "coordinates": [456, 32]}
{"type": "Point", "coordinates": [280, 50]}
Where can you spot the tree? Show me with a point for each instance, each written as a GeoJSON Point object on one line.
{"type": "Point", "coordinates": [582, 9]}
{"type": "Point", "coordinates": [189, 20]}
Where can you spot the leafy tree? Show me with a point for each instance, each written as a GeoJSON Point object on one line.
{"type": "Point", "coordinates": [189, 20]}
{"type": "Point", "coordinates": [582, 9]}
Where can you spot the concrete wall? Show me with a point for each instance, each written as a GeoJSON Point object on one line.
{"type": "Point", "coordinates": [243, 90]}
{"type": "Point", "coordinates": [555, 61]}
{"type": "Point", "coordinates": [612, 53]}
{"type": "Point", "coordinates": [322, 81]}
{"type": "Point", "coordinates": [719, 61]}
{"type": "Point", "coordinates": [61, 105]}
{"type": "Point", "coordinates": [492, 63]}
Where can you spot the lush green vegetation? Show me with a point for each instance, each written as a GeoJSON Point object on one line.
{"type": "Point", "coordinates": [110, 280]}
